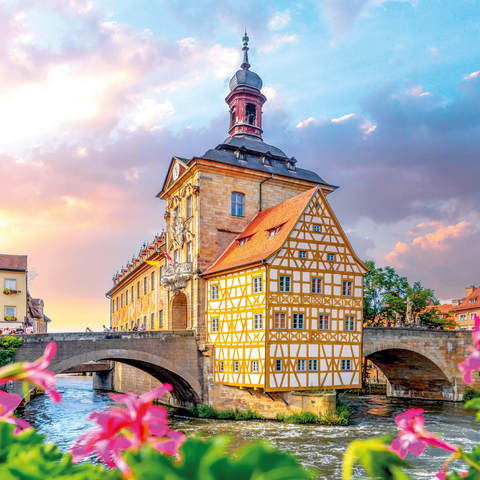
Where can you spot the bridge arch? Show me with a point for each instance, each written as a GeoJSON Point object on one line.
{"type": "Point", "coordinates": [412, 372]}
{"type": "Point", "coordinates": [186, 388]}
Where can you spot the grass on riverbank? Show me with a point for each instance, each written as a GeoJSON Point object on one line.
{"type": "Point", "coordinates": [340, 417]}
{"type": "Point", "coordinates": [470, 393]}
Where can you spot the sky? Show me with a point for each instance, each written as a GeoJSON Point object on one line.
{"type": "Point", "coordinates": [381, 98]}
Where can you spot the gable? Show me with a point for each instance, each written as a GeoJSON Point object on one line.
{"type": "Point", "coordinates": [175, 171]}
{"type": "Point", "coordinates": [329, 239]}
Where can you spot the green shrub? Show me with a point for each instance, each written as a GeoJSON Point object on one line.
{"type": "Point", "coordinates": [8, 346]}
{"type": "Point", "coordinates": [206, 411]}
{"type": "Point", "coordinates": [470, 393]}
{"type": "Point", "coordinates": [226, 414]}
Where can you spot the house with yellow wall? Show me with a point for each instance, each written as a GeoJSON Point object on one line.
{"type": "Point", "coordinates": [13, 299]}
{"type": "Point", "coordinates": [466, 308]}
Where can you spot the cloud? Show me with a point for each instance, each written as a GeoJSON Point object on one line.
{"type": "Point", "coordinates": [277, 41]}
{"type": "Point", "coordinates": [341, 15]}
{"type": "Point", "coordinates": [279, 20]}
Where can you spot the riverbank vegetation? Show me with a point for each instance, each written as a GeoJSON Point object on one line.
{"type": "Point", "coordinates": [470, 393]}
{"type": "Point", "coordinates": [8, 347]}
{"type": "Point", "coordinates": [340, 417]}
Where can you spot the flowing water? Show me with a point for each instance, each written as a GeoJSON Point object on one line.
{"type": "Point", "coordinates": [317, 446]}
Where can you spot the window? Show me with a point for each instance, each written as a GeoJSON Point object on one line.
{"type": "Point", "coordinates": [144, 321]}
{"type": "Point", "coordinates": [117, 303]}
{"type": "Point", "coordinates": [175, 257]}
{"type": "Point", "coordinates": [346, 364]}
{"type": "Point", "coordinates": [238, 204]}
{"type": "Point", "coordinates": [472, 300]}
{"type": "Point", "coordinates": [189, 252]}
{"type": "Point", "coordinates": [214, 292]}
{"type": "Point", "coordinates": [126, 297]}
{"type": "Point", "coordinates": [284, 283]}
{"type": "Point", "coordinates": [133, 323]}
{"type": "Point", "coordinates": [257, 285]}
{"type": "Point", "coordinates": [250, 113]}
{"type": "Point", "coordinates": [189, 206]}
{"type": "Point", "coordinates": [133, 293]}
{"type": "Point", "coordinates": [10, 312]}
{"type": "Point", "coordinates": [161, 275]}
{"type": "Point", "coordinates": [113, 305]}
{"type": "Point", "coordinates": [298, 321]}
{"type": "Point", "coordinates": [257, 321]}
{"type": "Point", "coordinates": [313, 365]}
{"type": "Point", "coordinates": [121, 328]}
{"type": "Point", "coordinates": [331, 257]}
{"type": "Point", "coordinates": [472, 317]}
{"type": "Point", "coordinates": [316, 228]}
{"type": "Point", "coordinates": [255, 366]}
{"type": "Point", "coordinates": [235, 366]}
{"type": "Point", "coordinates": [220, 366]}
{"type": "Point", "coordinates": [160, 319]}
{"type": "Point", "coordinates": [121, 300]}
{"type": "Point", "coordinates": [347, 289]}
{"type": "Point", "coordinates": [152, 321]}
{"type": "Point", "coordinates": [243, 241]}
{"type": "Point", "coordinates": [11, 284]}
{"type": "Point", "coordinates": [145, 285]}
{"type": "Point", "coordinates": [324, 322]}
{"type": "Point", "coordinates": [278, 365]}
{"type": "Point", "coordinates": [273, 231]}
{"type": "Point", "coordinates": [214, 325]}
{"type": "Point", "coordinates": [280, 320]}
{"type": "Point", "coordinates": [349, 324]}
{"type": "Point", "coordinates": [302, 365]}
{"type": "Point", "coordinates": [462, 318]}
{"type": "Point", "coordinates": [153, 280]}
{"type": "Point", "coordinates": [302, 254]}
{"type": "Point", "coordinates": [232, 117]}
{"type": "Point", "coordinates": [138, 289]}
{"type": "Point", "coordinates": [316, 285]}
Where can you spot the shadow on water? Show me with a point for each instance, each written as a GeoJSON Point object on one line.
{"type": "Point", "coordinates": [316, 446]}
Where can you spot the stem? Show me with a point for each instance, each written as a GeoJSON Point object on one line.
{"type": "Point", "coordinates": [469, 461]}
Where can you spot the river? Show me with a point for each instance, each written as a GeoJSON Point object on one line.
{"type": "Point", "coordinates": [318, 446]}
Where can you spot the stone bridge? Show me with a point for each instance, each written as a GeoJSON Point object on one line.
{"type": "Point", "coordinates": [169, 356]}
{"type": "Point", "coordinates": [420, 363]}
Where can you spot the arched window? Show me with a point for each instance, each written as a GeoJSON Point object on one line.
{"type": "Point", "coordinates": [251, 113]}
{"type": "Point", "coordinates": [238, 204]}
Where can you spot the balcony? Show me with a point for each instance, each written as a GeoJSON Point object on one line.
{"type": "Point", "coordinates": [175, 278]}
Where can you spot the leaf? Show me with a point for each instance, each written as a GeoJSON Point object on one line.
{"type": "Point", "coordinates": [474, 404]}
{"type": "Point", "coordinates": [375, 458]}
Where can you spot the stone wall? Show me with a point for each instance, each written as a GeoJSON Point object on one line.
{"type": "Point", "coordinates": [224, 397]}
{"type": "Point", "coordinates": [130, 379]}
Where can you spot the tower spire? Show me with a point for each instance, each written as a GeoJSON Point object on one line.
{"type": "Point", "coordinates": [245, 65]}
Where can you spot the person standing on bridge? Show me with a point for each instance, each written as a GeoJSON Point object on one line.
{"type": "Point", "coordinates": [89, 330]}
{"type": "Point", "coordinates": [106, 329]}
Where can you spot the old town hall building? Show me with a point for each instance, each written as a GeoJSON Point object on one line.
{"type": "Point", "coordinates": [253, 260]}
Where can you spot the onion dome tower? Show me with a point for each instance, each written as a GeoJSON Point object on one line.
{"type": "Point", "coordinates": [245, 99]}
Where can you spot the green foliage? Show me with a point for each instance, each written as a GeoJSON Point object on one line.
{"type": "Point", "coordinates": [206, 411]}
{"type": "Point", "coordinates": [9, 345]}
{"type": "Point", "coordinates": [469, 394]}
{"type": "Point", "coordinates": [375, 458]}
{"type": "Point", "coordinates": [207, 460]}
{"type": "Point", "coordinates": [247, 415]}
{"type": "Point", "coordinates": [26, 457]}
{"type": "Point", "coordinates": [226, 414]}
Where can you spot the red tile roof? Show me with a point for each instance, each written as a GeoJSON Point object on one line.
{"type": "Point", "coordinates": [259, 246]}
{"type": "Point", "coordinates": [442, 309]}
{"type": "Point", "coordinates": [13, 262]}
{"type": "Point", "coordinates": [466, 305]}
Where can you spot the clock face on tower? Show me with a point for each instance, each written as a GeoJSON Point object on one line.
{"type": "Point", "coordinates": [176, 171]}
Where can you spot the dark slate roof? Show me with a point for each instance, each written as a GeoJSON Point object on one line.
{"type": "Point", "coordinates": [246, 77]}
{"type": "Point", "coordinates": [254, 149]}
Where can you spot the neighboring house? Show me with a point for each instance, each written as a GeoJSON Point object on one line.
{"type": "Point", "coordinates": [13, 298]}
{"type": "Point", "coordinates": [36, 318]}
{"type": "Point", "coordinates": [254, 234]}
{"type": "Point", "coordinates": [466, 308]}
{"type": "Point", "coordinates": [444, 311]}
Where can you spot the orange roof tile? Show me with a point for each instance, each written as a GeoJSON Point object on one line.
{"type": "Point", "coordinates": [466, 304]}
{"type": "Point", "coordinates": [259, 246]}
{"type": "Point", "coordinates": [13, 262]}
{"type": "Point", "coordinates": [443, 309]}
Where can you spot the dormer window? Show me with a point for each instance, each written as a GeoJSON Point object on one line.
{"type": "Point", "coordinates": [290, 164]}
{"type": "Point", "coordinates": [472, 300]}
{"type": "Point", "coordinates": [267, 159]}
{"type": "Point", "coordinates": [241, 153]}
{"type": "Point", "coordinates": [273, 231]}
{"type": "Point", "coordinates": [243, 241]}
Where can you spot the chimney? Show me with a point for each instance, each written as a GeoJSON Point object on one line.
{"type": "Point", "coordinates": [469, 290]}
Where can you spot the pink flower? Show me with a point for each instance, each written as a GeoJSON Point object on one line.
{"type": "Point", "coordinates": [34, 373]}
{"type": "Point", "coordinates": [442, 475]}
{"type": "Point", "coordinates": [473, 361]}
{"type": "Point", "coordinates": [414, 437]}
{"type": "Point", "coordinates": [8, 403]}
{"type": "Point", "coordinates": [141, 423]}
